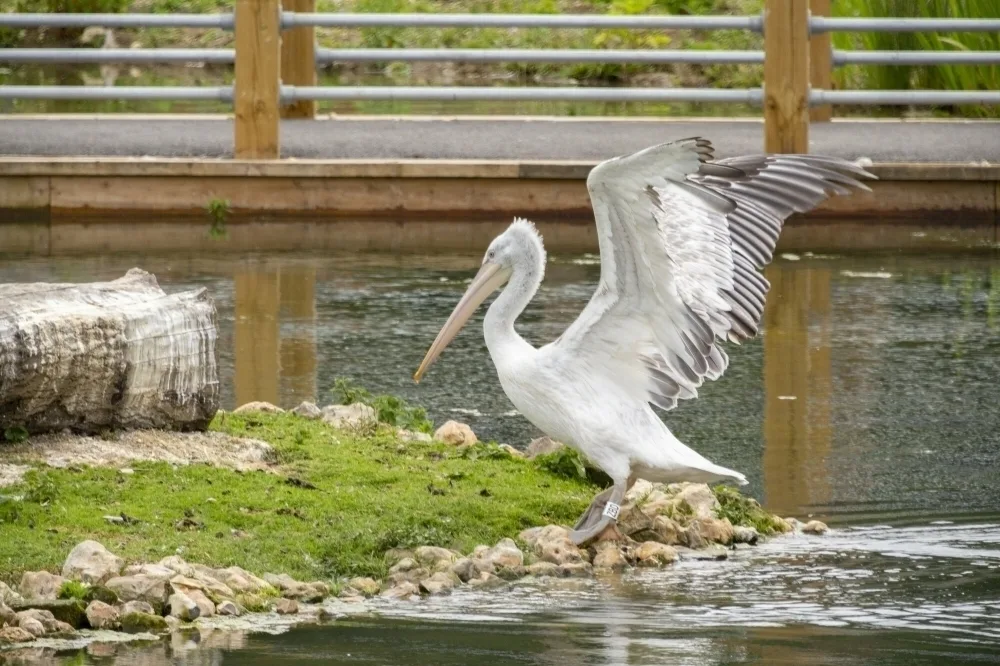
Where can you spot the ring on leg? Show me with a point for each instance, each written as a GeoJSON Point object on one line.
{"type": "Point", "coordinates": [593, 511]}
{"type": "Point", "coordinates": [612, 507]}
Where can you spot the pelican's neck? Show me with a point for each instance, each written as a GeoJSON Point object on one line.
{"type": "Point", "coordinates": [498, 326]}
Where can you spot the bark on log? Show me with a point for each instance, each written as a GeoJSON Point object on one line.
{"type": "Point", "coordinates": [104, 355]}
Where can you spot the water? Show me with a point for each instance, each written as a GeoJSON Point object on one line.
{"type": "Point", "coordinates": [870, 402]}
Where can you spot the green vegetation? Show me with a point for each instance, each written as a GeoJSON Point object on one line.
{"type": "Point", "coordinates": [743, 510]}
{"type": "Point", "coordinates": [336, 504]}
{"type": "Point", "coordinates": [389, 409]}
{"type": "Point", "coordinates": [15, 434]}
{"type": "Point", "coordinates": [218, 212]}
{"type": "Point", "coordinates": [74, 589]}
{"type": "Point", "coordinates": [571, 464]}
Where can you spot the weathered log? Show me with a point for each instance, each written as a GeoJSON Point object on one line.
{"type": "Point", "coordinates": [106, 355]}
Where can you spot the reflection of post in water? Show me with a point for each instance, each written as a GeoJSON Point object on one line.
{"type": "Point", "coordinates": [275, 334]}
{"type": "Point", "coordinates": [797, 387]}
{"type": "Point", "coordinates": [298, 335]}
{"type": "Point", "coordinates": [257, 334]}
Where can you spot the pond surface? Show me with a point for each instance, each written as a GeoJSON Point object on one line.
{"type": "Point", "coordinates": [870, 401]}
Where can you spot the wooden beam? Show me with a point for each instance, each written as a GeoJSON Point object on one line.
{"type": "Point", "coordinates": [820, 62]}
{"type": "Point", "coordinates": [298, 60]}
{"type": "Point", "coordinates": [257, 84]}
{"type": "Point", "coordinates": [786, 76]}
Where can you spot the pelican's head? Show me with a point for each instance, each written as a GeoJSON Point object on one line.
{"type": "Point", "coordinates": [518, 249]}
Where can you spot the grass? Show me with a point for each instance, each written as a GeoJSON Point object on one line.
{"type": "Point", "coordinates": [743, 510]}
{"type": "Point", "coordinates": [339, 502]}
{"type": "Point", "coordinates": [218, 212]}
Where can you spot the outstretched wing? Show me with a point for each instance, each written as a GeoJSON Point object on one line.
{"type": "Point", "coordinates": [682, 239]}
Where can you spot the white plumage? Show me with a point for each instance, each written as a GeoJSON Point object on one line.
{"type": "Point", "coordinates": [682, 239]}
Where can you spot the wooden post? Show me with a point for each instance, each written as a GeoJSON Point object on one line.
{"type": "Point", "coordinates": [257, 85]}
{"type": "Point", "coordinates": [298, 60]}
{"type": "Point", "coordinates": [820, 62]}
{"type": "Point", "coordinates": [786, 76]}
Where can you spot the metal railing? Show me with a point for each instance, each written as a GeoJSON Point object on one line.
{"type": "Point", "coordinates": [261, 93]}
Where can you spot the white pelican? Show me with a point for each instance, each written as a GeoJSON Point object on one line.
{"type": "Point", "coordinates": [682, 239]}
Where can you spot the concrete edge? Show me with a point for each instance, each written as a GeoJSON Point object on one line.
{"type": "Point", "coordinates": [394, 168]}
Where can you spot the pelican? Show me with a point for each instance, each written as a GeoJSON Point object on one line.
{"type": "Point", "coordinates": [682, 239]}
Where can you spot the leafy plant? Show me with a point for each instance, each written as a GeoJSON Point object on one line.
{"type": "Point", "coordinates": [746, 511]}
{"type": "Point", "coordinates": [41, 489]}
{"type": "Point", "coordinates": [389, 409]}
{"type": "Point", "coordinates": [571, 464]}
{"type": "Point", "coordinates": [218, 212]}
{"type": "Point", "coordinates": [15, 434]}
{"type": "Point", "coordinates": [74, 589]}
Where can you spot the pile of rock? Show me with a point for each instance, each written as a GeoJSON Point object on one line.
{"type": "Point", "coordinates": [140, 598]}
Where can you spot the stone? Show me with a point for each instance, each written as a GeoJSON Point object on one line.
{"type": "Point", "coordinates": [512, 573]}
{"type": "Point", "coordinates": [552, 544]}
{"type": "Point", "coordinates": [102, 616]}
{"type": "Point", "coordinates": [7, 616]}
{"type": "Point", "coordinates": [815, 527]}
{"type": "Point", "coordinates": [11, 635]}
{"type": "Point", "coordinates": [308, 410]}
{"type": "Point", "coordinates": [228, 608]}
{"type": "Point", "coordinates": [434, 558]}
{"type": "Point", "coordinates": [511, 451]}
{"type": "Point", "coordinates": [742, 534]}
{"type": "Point", "coordinates": [69, 611]}
{"type": "Point", "coordinates": [146, 623]}
{"type": "Point", "coordinates": [413, 436]}
{"type": "Point", "coordinates": [453, 432]}
{"type": "Point", "coordinates": [667, 531]}
{"type": "Point", "coordinates": [347, 416]}
{"type": "Point", "coordinates": [286, 606]}
{"type": "Point", "coordinates": [404, 565]}
{"type": "Point", "coordinates": [403, 590]}
{"type": "Point", "coordinates": [504, 554]}
{"type": "Point", "coordinates": [177, 564]}
{"type": "Point", "coordinates": [149, 570]}
{"type": "Point", "coordinates": [9, 596]}
{"type": "Point", "coordinates": [183, 607]}
{"type": "Point", "coordinates": [439, 583]}
{"type": "Point", "coordinates": [154, 590]}
{"type": "Point", "coordinates": [258, 406]}
{"type": "Point", "coordinates": [240, 580]}
{"type": "Point", "coordinates": [91, 563]}
{"type": "Point", "coordinates": [543, 569]}
{"type": "Point", "coordinates": [712, 552]}
{"type": "Point", "coordinates": [367, 587]}
{"type": "Point", "coordinates": [40, 585]}
{"type": "Point", "coordinates": [101, 593]}
{"type": "Point", "coordinates": [32, 626]}
{"type": "Point", "coordinates": [654, 554]}
{"type": "Point", "coordinates": [576, 570]}
{"type": "Point", "coordinates": [205, 606]}
{"type": "Point", "coordinates": [137, 607]}
{"type": "Point", "coordinates": [713, 530]}
{"type": "Point", "coordinates": [608, 556]}
{"type": "Point", "coordinates": [465, 568]}
{"type": "Point", "coordinates": [699, 498]}
{"type": "Point", "coordinates": [542, 446]}
{"type": "Point", "coordinates": [487, 581]}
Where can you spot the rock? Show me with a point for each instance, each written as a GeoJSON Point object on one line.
{"type": "Point", "coordinates": [542, 446]}
{"type": "Point", "coordinates": [667, 531]}
{"type": "Point", "coordinates": [713, 530]}
{"type": "Point", "coordinates": [608, 555]}
{"type": "Point", "coordinates": [9, 596]}
{"type": "Point", "coordinates": [258, 406]}
{"type": "Point", "coordinates": [576, 570]}
{"type": "Point", "coordinates": [11, 635]}
{"type": "Point", "coordinates": [699, 498]}
{"type": "Point", "coordinates": [72, 612]}
{"type": "Point", "coordinates": [654, 554]}
{"type": "Point", "coordinates": [183, 607]}
{"type": "Point", "coordinates": [286, 606]}
{"type": "Point", "coordinates": [403, 590]}
{"type": "Point", "coordinates": [40, 585]}
{"type": "Point", "coordinates": [137, 607]}
{"type": "Point", "coordinates": [102, 616]}
{"type": "Point", "coordinates": [172, 623]}
{"type": "Point", "coordinates": [512, 573]}
{"type": "Point", "coordinates": [453, 432]}
{"type": "Point", "coordinates": [404, 565]}
{"type": "Point", "coordinates": [543, 569]}
{"type": "Point", "coordinates": [32, 625]}
{"type": "Point", "coordinates": [514, 453]}
{"type": "Point", "coordinates": [92, 563]}
{"type": "Point", "coordinates": [367, 587]}
{"type": "Point", "coordinates": [308, 410]}
{"type": "Point", "coordinates": [815, 527]}
{"type": "Point", "coordinates": [413, 436]}
{"type": "Point", "coordinates": [434, 558]}
{"type": "Point", "coordinates": [344, 416]}
{"type": "Point", "coordinates": [150, 570]}
{"type": "Point", "coordinates": [176, 564]}
{"type": "Point", "coordinates": [465, 568]}
{"type": "Point", "coordinates": [205, 606]}
{"type": "Point", "coordinates": [487, 581]}
{"type": "Point", "coordinates": [743, 534]}
{"type": "Point", "coordinates": [439, 583]}
{"type": "Point", "coordinates": [7, 616]}
{"type": "Point", "coordinates": [552, 544]}
{"type": "Point", "coordinates": [101, 593]}
{"type": "Point", "coordinates": [240, 580]}
{"type": "Point", "coordinates": [229, 608]}
{"type": "Point", "coordinates": [145, 623]}
{"type": "Point", "coordinates": [154, 590]}
{"type": "Point", "coordinates": [504, 554]}
{"type": "Point", "coordinates": [712, 552]}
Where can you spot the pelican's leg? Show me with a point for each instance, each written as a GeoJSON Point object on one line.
{"type": "Point", "coordinates": [609, 516]}
{"type": "Point", "coordinates": [593, 512]}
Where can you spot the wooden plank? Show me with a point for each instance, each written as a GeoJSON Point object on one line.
{"type": "Point", "coordinates": [298, 60]}
{"type": "Point", "coordinates": [820, 62]}
{"type": "Point", "coordinates": [786, 76]}
{"type": "Point", "coordinates": [256, 85]}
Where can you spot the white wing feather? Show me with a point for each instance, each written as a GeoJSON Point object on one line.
{"type": "Point", "coordinates": [682, 240]}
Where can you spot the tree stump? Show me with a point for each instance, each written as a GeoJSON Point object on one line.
{"type": "Point", "coordinates": [106, 355]}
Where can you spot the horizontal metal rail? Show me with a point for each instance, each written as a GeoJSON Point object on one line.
{"type": "Point", "coordinates": [221, 93]}
{"type": "Point", "coordinates": [904, 97]}
{"type": "Point", "coordinates": [819, 24]}
{"type": "Point", "coordinates": [432, 93]}
{"type": "Point", "coordinates": [539, 55]}
{"type": "Point", "coordinates": [916, 58]}
{"type": "Point", "coordinates": [128, 56]}
{"type": "Point", "coordinates": [9, 20]}
{"type": "Point", "coordinates": [648, 22]}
